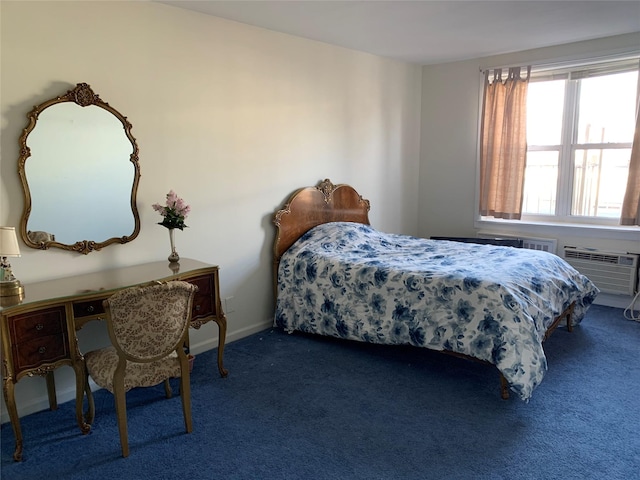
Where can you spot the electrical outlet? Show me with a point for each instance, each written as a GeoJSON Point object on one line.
{"type": "Point", "coordinates": [229, 305]}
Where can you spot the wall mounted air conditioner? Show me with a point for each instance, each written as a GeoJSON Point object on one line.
{"type": "Point", "coordinates": [615, 273]}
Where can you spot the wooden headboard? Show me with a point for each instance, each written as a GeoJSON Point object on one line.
{"type": "Point", "coordinates": [311, 206]}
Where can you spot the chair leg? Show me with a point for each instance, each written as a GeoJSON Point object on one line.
{"type": "Point", "coordinates": [185, 396]}
{"type": "Point", "coordinates": [91, 408]}
{"type": "Point", "coordinates": [167, 389]}
{"type": "Point", "coordinates": [121, 412]}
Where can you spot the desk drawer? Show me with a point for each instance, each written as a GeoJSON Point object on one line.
{"type": "Point", "coordinates": [87, 309]}
{"type": "Point", "coordinates": [38, 351]}
{"type": "Point", "coordinates": [203, 305]}
{"type": "Point", "coordinates": [27, 326]}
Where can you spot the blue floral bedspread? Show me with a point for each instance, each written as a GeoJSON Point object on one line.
{"type": "Point", "coordinates": [351, 281]}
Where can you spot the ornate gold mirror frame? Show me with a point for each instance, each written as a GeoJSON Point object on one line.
{"type": "Point", "coordinates": [91, 184]}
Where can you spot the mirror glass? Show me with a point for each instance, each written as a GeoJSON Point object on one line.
{"type": "Point", "coordinates": [79, 167]}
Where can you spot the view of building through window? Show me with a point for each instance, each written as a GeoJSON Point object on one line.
{"type": "Point", "coordinates": [579, 135]}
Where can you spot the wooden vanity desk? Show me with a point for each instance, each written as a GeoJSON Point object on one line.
{"type": "Point", "coordinates": [39, 332]}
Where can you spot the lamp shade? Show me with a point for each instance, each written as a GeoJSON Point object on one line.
{"type": "Point", "coordinates": [9, 242]}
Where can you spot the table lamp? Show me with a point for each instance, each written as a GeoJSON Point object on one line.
{"type": "Point", "coordinates": [9, 285]}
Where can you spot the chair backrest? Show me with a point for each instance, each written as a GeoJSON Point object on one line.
{"type": "Point", "coordinates": [149, 322]}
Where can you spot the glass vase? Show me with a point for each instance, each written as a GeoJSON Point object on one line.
{"type": "Point", "coordinates": [173, 257]}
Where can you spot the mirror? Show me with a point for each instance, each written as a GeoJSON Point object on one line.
{"type": "Point", "coordinates": [79, 170]}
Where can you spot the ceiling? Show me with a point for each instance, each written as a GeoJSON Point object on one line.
{"type": "Point", "coordinates": [428, 32]}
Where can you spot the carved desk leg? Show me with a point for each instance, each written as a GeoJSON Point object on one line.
{"type": "Point", "coordinates": [222, 335]}
{"type": "Point", "coordinates": [51, 390]}
{"type": "Point", "coordinates": [10, 402]}
{"type": "Point", "coordinates": [82, 383]}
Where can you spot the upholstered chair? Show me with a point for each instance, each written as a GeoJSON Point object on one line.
{"type": "Point", "coordinates": [148, 327]}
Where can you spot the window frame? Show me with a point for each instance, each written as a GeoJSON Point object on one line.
{"type": "Point", "coordinates": [572, 73]}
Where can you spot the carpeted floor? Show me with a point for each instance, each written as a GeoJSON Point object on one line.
{"type": "Point", "coordinates": [302, 407]}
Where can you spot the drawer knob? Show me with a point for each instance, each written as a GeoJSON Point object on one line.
{"type": "Point", "coordinates": [39, 327]}
{"type": "Point", "coordinates": [41, 350]}
{"type": "Point", "coordinates": [197, 308]}
{"type": "Point", "coordinates": [90, 309]}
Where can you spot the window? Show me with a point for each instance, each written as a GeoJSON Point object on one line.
{"type": "Point", "coordinates": [580, 127]}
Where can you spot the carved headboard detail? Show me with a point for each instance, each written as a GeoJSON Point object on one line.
{"type": "Point", "coordinates": [311, 206]}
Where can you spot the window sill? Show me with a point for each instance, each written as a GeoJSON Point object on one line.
{"type": "Point", "coordinates": [624, 233]}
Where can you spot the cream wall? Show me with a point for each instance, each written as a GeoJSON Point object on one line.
{"type": "Point", "coordinates": [232, 117]}
{"type": "Point", "coordinates": [448, 176]}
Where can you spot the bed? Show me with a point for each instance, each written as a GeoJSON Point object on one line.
{"type": "Point", "coordinates": [336, 275]}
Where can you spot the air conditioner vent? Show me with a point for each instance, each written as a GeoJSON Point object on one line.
{"type": "Point", "coordinates": [615, 273]}
{"type": "Point", "coordinates": [595, 257]}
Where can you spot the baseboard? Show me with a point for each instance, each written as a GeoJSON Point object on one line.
{"type": "Point", "coordinates": [211, 343]}
{"type": "Point", "coordinates": [40, 403]}
{"type": "Point", "coordinates": [617, 301]}
{"type": "Point", "coordinates": [37, 404]}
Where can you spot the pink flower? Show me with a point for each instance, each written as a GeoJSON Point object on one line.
{"type": "Point", "coordinates": [174, 212]}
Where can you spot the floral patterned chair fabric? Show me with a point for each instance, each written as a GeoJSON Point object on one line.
{"type": "Point", "coordinates": [148, 327]}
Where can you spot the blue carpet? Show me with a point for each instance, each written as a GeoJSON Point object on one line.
{"type": "Point", "coordinates": [304, 407]}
